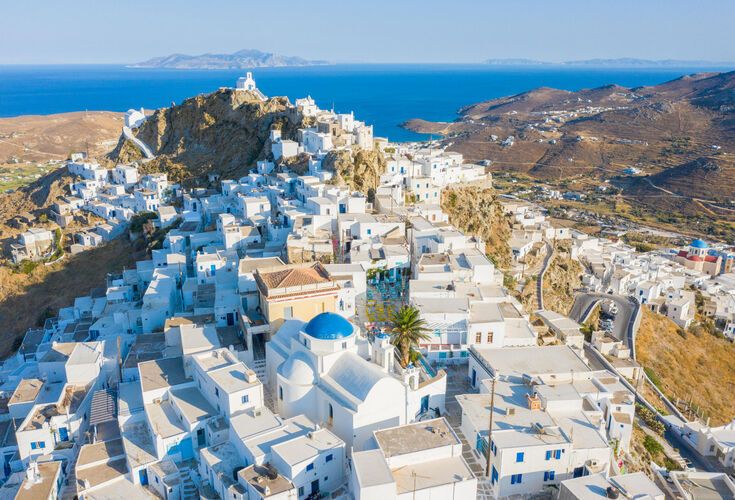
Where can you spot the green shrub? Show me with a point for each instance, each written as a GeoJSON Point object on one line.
{"type": "Point", "coordinates": [653, 377]}
{"type": "Point", "coordinates": [652, 446]}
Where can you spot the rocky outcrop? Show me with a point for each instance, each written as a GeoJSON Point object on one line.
{"type": "Point", "coordinates": [224, 132]}
{"type": "Point", "coordinates": [358, 169]}
{"type": "Point", "coordinates": [476, 210]}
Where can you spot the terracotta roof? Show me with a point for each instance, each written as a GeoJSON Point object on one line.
{"type": "Point", "coordinates": [290, 276]}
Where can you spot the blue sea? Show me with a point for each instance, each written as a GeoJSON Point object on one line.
{"type": "Point", "coordinates": [382, 95]}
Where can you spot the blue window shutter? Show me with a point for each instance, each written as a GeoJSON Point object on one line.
{"type": "Point", "coordinates": [520, 456]}
{"type": "Point", "coordinates": [548, 455]}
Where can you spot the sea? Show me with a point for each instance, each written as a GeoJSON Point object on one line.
{"type": "Point", "coordinates": [384, 95]}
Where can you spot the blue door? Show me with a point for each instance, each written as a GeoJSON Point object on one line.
{"type": "Point", "coordinates": [474, 377]}
{"type": "Point", "coordinates": [63, 434]}
{"type": "Point", "coordinates": [143, 474]}
{"type": "Point", "coordinates": [424, 404]}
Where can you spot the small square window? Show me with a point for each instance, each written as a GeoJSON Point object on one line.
{"type": "Point", "coordinates": [246, 399]}
{"type": "Point", "coordinates": [520, 456]}
{"type": "Point", "coordinates": [330, 457]}
{"type": "Point", "coordinates": [310, 467]}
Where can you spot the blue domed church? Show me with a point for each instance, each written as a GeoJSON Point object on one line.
{"type": "Point", "coordinates": [327, 370]}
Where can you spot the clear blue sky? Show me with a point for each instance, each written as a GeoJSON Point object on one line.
{"type": "Point", "coordinates": [116, 31]}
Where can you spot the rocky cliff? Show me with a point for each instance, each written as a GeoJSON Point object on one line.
{"type": "Point", "coordinates": [224, 132]}
{"type": "Point", "coordinates": [358, 169]}
{"type": "Point", "coordinates": [476, 210]}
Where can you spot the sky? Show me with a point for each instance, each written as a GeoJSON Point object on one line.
{"type": "Point", "coordinates": [368, 31]}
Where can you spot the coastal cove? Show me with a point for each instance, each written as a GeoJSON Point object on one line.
{"type": "Point", "coordinates": [381, 94]}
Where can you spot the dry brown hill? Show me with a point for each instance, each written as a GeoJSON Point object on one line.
{"type": "Point", "coordinates": [53, 137]}
{"type": "Point", "coordinates": [600, 132]}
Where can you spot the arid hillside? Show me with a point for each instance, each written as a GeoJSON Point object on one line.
{"type": "Point", "coordinates": [52, 137]}
{"type": "Point", "coordinates": [668, 131]}
{"type": "Point", "coordinates": [26, 300]}
{"type": "Point", "coordinates": [476, 210]}
{"type": "Point", "coordinates": [692, 367]}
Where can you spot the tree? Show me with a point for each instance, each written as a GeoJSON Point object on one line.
{"type": "Point", "coordinates": [408, 330]}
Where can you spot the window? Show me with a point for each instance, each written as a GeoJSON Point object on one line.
{"type": "Point", "coordinates": [330, 457]}
{"type": "Point", "coordinates": [489, 337]}
{"type": "Point", "coordinates": [548, 454]}
{"type": "Point", "coordinates": [288, 312]}
{"type": "Point", "coordinates": [478, 338]}
{"type": "Point", "coordinates": [38, 445]}
{"type": "Point", "coordinates": [549, 475]}
{"type": "Point", "coordinates": [516, 479]}
{"type": "Point", "coordinates": [280, 393]}
{"type": "Point", "coordinates": [216, 392]}
{"type": "Point", "coordinates": [494, 475]}
{"type": "Point", "coordinates": [301, 491]}
{"type": "Point", "coordinates": [310, 467]}
{"type": "Point", "coordinates": [578, 471]}
{"type": "Point", "coordinates": [344, 345]}
{"type": "Point", "coordinates": [520, 456]}
{"type": "Point", "coordinates": [246, 398]}
{"type": "Point", "coordinates": [557, 454]}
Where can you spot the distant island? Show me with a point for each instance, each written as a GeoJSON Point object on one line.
{"type": "Point", "coordinates": [625, 62]}
{"type": "Point", "coordinates": [242, 59]}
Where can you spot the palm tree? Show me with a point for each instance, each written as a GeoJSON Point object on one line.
{"type": "Point", "coordinates": [407, 331]}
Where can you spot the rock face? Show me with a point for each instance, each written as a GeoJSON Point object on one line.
{"type": "Point", "coordinates": [358, 169]}
{"type": "Point", "coordinates": [224, 132]}
{"type": "Point", "coordinates": [476, 210]}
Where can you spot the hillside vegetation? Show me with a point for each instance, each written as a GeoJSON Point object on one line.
{"type": "Point", "coordinates": [476, 210]}
{"type": "Point", "coordinates": [26, 300]}
{"type": "Point", "coordinates": [685, 365]}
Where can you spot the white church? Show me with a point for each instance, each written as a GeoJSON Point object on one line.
{"type": "Point", "coordinates": [340, 379]}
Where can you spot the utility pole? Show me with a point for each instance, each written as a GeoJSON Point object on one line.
{"type": "Point", "coordinates": [490, 429]}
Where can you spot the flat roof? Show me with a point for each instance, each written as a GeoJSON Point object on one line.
{"type": "Point", "coordinates": [371, 468]}
{"type": "Point", "coordinates": [43, 488]}
{"type": "Point", "coordinates": [535, 360]}
{"type": "Point", "coordinates": [91, 453]}
{"type": "Point", "coordinates": [164, 420]}
{"type": "Point", "coordinates": [261, 477]}
{"type": "Point", "coordinates": [161, 373]}
{"type": "Point", "coordinates": [192, 403]}
{"type": "Point", "coordinates": [27, 391]}
{"type": "Point", "coordinates": [424, 475]}
{"type": "Point", "coordinates": [307, 447]}
{"type": "Point", "coordinates": [415, 437]}
{"type": "Point", "coordinates": [233, 378]}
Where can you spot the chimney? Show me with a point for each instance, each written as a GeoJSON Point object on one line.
{"type": "Point", "coordinates": [32, 474]}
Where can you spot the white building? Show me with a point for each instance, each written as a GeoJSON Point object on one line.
{"type": "Point", "coordinates": [319, 369]}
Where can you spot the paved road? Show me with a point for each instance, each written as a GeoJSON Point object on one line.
{"type": "Point", "coordinates": [621, 326]}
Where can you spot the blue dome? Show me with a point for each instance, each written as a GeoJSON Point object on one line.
{"type": "Point", "coordinates": [328, 326]}
{"type": "Point", "coordinates": [698, 244]}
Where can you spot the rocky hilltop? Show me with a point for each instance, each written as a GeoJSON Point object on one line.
{"type": "Point", "coordinates": [224, 132]}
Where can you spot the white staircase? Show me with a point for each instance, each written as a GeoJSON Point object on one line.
{"type": "Point", "coordinates": [128, 133]}
{"type": "Point", "coordinates": [189, 490]}
{"type": "Point", "coordinates": [103, 407]}
{"type": "Point", "coordinates": [259, 369]}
